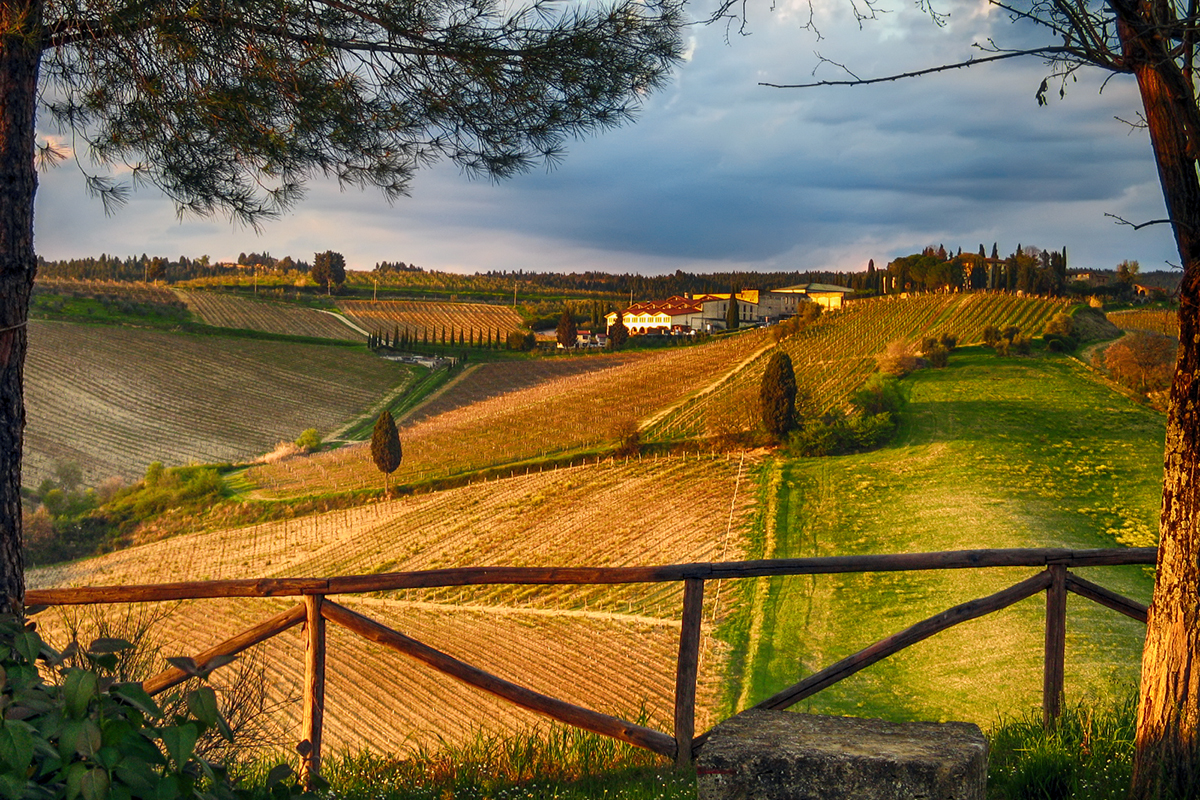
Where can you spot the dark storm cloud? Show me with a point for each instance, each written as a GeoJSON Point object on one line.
{"type": "Point", "coordinates": [721, 172]}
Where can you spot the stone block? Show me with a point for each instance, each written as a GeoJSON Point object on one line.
{"type": "Point", "coordinates": [778, 755]}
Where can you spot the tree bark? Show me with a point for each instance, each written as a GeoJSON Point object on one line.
{"type": "Point", "coordinates": [1169, 707]}
{"type": "Point", "coordinates": [20, 55]}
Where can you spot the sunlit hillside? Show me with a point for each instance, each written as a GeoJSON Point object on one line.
{"type": "Point", "coordinates": [835, 355]}
{"type": "Point", "coordinates": [610, 648]}
{"type": "Point", "coordinates": [113, 399]}
{"type": "Point", "coordinates": [568, 412]}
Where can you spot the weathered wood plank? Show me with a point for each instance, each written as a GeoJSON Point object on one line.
{"type": "Point", "coordinates": [243, 641]}
{"type": "Point", "coordinates": [314, 691]}
{"type": "Point", "coordinates": [686, 669]}
{"type": "Point", "coordinates": [277, 587]}
{"type": "Point", "coordinates": [1106, 597]}
{"type": "Point", "coordinates": [519, 695]}
{"type": "Point", "coordinates": [1056, 645]}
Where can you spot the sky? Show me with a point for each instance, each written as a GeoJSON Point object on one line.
{"type": "Point", "coordinates": [719, 173]}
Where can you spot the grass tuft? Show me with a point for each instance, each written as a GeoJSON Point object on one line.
{"type": "Point", "coordinates": [1088, 755]}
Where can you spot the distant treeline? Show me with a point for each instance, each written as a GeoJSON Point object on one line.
{"type": "Point", "coordinates": [1030, 270]}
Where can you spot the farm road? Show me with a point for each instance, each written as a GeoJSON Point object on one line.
{"type": "Point", "coordinates": [652, 420]}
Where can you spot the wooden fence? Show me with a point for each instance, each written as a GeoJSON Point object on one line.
{"type": "Point", "coordinates": [1055, 580]}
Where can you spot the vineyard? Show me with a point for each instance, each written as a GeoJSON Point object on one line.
{"type": "Point", "coordinates": [566, 413]}
{"type": "Point", "coordinates": [434, 321]}
{"type": "Point", "coordinates": [1158, 320]}
{"type": "Point", "coordinates": [585, 644]}
{"type": "Point", "coordinates": [117, 290]}
{"type": "Point", "coordinates": [114, 399]}
{"type": "Point", "coordinates": [230, 311]}
{"type": "Point", "coordinates": [835, 355]}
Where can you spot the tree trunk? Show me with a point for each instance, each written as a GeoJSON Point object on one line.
{"type": "Point", "coordinates": [1168, 711]}
{"type": "Point", "coordinates": [20, 54]}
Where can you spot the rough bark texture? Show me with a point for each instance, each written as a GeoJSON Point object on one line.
{"type": "Point", "coordinates": [1170, 688]}
{"type": "Point", "coordinates": [19, 57]}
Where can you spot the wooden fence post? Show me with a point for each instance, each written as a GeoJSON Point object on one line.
{"type": "Point", "coordinates": [686, 669]}
{"type": "Point", "coordinates": [1056, 645]}
{"type": "Point", "coordinates": [314, 691]}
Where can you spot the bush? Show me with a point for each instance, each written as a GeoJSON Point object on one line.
{"type": "Point", "coordinates": [897, 360]}
{"type": "Point", "coordinates": [878, 395]}
{"type": "Point", "coordinates": [1059, 343]}
{"type": "Point", "coordinates": [1060, 324]}
{"type": "Point", "coordinates": [309, 440]}
{"type": "Point", "coordinates": [991, 335]}
{"type": "Point", "coordinates": [81, 735]}
{"type": "Point", "coordinates": [938, 355]}
{"type": "Point", "coordinates": [521, 340]}
{"type": "Point", "coordinates": [949, 341]}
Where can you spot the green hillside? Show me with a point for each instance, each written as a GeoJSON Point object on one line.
{"type": "Point", "coordinates": [1020, 452]}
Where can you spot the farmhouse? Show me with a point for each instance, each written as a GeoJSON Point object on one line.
{"type": "Point", "coordinates": [706, 312]}
{"type": "Point", "coordinates": [675, 314]}
{"type": "Point", "coordinates": [827, 295]}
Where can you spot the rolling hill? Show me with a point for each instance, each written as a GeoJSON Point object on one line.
{"type": "Point", "coordinates": [113, 399]}
{"type": "Point", "coordinates": [993, 452]}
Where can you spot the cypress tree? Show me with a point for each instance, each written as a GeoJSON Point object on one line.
{"type": "Point", "coordinates": [732, 318]}
{"type": "Point", "coordinates": [385, 446]}
{"type": "Point", "coordinates": [777, 395]}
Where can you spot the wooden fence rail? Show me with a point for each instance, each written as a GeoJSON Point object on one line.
{"type": "Point", "coordinates": [1054, 579]}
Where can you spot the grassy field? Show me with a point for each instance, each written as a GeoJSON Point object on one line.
{"type": "Point", "coordinates": [993, 453]}
{"type": "Point", "coordinates": [113, 399]}
{"type": "Point", "coordinates": [610, 648]}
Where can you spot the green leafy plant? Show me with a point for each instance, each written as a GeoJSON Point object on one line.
{"type": "Point", "coordinates": [75, 732]}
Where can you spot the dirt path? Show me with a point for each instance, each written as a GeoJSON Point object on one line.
{"type": "Point", "coordinates": [662, 414]}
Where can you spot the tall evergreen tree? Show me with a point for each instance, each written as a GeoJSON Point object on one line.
{"type": "Point", "coordinates": [732, 316]}
{"type": "Point", "coordinates": [385, 446]}
{"type": "Point", "coordinates": [566, 332]}
{"type": "Point", "coordinates": [777, 395]}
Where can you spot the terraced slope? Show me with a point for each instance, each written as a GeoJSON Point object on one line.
{"type": "Point", "coordinates": [114, 399]}
{"type": "Point", "coordinates": [836, 354]}
{"type": "Point", "coordinates": [567, 412]}
{"type": "Point", "coordinates": [232, 311]}
{"type": "Point", "coordinates": [435, 319]}
{"type": "Point", "coordinates": [610, 648]}
{"type": "Point", "coordinates": [1165, 321]}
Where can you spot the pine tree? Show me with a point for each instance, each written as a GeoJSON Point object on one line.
{"type": "Point", "coordinates": [385, 446]}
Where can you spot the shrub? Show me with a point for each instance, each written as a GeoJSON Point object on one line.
{"type": "Point", "coordinates": [897, 360]}
{"type": "Point", "coordinates": [878, 395]}
{"type": "Point", "coordinates": [1060, 324]}
{"type": "Point", "coordinates": [1142, 360]}
{"type": "Point", "coordinates": [991, 335]}
{"type": "Point", "coordinates": [309, 440]}
{"type": "Point", "coordinates": [1059, 343]}
{"type": "Point", "coordinates": [81, 735]}
{"type": "Point", "coordinates": [949, 341]}
{"type": "Point", "coordinates": [937, 355]}
{"type": "Point", "coordinates": [521, 340]}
